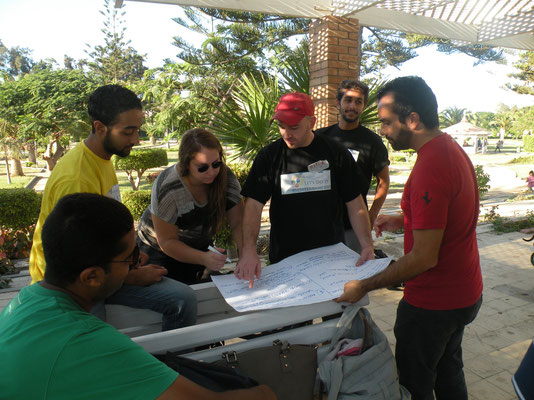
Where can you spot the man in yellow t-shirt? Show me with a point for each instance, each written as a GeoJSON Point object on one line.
{"type": "Point", "coordinates": [116, 116]}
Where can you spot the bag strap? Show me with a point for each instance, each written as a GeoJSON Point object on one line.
{"type": "Point", "coordinates": [368, 340]}
{"type": "Point", "coordinates": [344, 323]}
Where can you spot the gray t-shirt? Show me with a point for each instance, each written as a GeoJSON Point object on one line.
{"type": "Point", "coordinates": [172, 201]}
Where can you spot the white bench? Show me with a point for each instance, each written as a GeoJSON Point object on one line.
{"type": "Point", "coordinates": [217, 321]}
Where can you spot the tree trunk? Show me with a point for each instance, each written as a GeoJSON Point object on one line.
{"type": "Point", "coordinates": [152, 141]}
{"type": "Point", "coordinates": [32, 152]}
{"type": "Point", "coordinates": [16, 165]}
{"type": "Point", "coordinates": [7, 168]}
{"type": "Point", "coordinates": [54, 151]}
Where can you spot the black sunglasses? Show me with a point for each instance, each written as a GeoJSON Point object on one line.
{"type": "Point", "coordinates": [133, 259]}
{"type": "Point", "coordinates": [204, 167]}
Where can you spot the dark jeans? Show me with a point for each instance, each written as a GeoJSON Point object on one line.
{"type": "Point", "coordinates": [429, 350]}
{"type": "Point", "coordinates": [183, 272]}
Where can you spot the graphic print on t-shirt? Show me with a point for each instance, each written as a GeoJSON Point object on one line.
{"type": "Point", "coordinates": [355, 154]}
{"type": "Point", "coordinates": [305, 182]}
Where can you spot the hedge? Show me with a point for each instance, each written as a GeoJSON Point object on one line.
{"type": "Point", "coordinates": [19, 208]}
{"type": "Point", "coordinates": [141, 159]}
{"type": "Point", "coordinates": [137, 202]}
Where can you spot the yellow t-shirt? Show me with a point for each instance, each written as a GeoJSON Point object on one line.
{"type": "Point", "coordinates": [80, 170]}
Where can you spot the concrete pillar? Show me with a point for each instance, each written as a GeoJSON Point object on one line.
{"type": "Point", "coordinates": [334, 57]}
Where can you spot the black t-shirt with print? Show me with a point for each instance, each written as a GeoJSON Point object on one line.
{"type": "Point", "coordinates": [372, 154]}
{"type": "Point", "coordinates": [303, 216]}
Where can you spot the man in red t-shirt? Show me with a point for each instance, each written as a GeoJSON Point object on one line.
{"type": "Point", "coordinates": [441, 265]}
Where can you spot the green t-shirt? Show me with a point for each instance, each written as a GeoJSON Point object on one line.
{"type": "Point", "coordinates": [50, 348]}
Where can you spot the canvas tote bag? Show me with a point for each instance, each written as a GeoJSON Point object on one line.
{"type": "Point", "coordinates": [372, 375]}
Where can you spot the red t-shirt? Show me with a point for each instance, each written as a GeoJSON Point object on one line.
{"type": "Point", "coordinates": [442, 193]}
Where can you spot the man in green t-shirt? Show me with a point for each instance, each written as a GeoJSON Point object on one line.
{"type": "Point", "coordinates": [51, 347]}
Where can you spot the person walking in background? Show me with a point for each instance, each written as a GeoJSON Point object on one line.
{"type": "Point", "coordinates": [440, 205]}
{"type": "Point", "coordinates": [116, 116]}
{"type": "Point", "coordinates": [190, 202]}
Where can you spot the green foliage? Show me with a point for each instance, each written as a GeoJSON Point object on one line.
{"type": "Point", "coordinates": [175, 100]}
{"type": "Point", "coordinates": [6, 267]}
{"type": "Point", "coordinates": [139, 161]}
{"type": "Point", "coordinates": [248, 129]}
{"type": "Point", "coordinates": [20, 208]}
{"type": "Point", "coordinates": [504, 225]}
{"type": "Point", "coordinates": [295, 69]}
{"type": "Point", "coordinates": [369, 116]}
{"type": "Point", "coordinates": [450, 116]}
{"type": "Point", "coordinates": [523, 195]}
{"type": "Point", "coordinates": [528, 143]}
{"type": "Point", "coordinates": [116, 61]}
{"type": "Point", "coordinates": [482, 119]}
{"type": "Point", "coordinates": [46, 106]}
{"type": "Point", "coordinates": [525, 67]}
{"type": "Point", "coordinates": [241, 171]}
{"type": "Point", "coordinates": [523, 121]}
{"type": "Point", "coordinates": [137, 202]}
{"type": "Point", "coordinates": [14, 62]}
{"type": "Point", "coordinates": [382, 48]}
{"type": "Point", "coordinates": [522, 160]}
{"type": "Point", "coordinates": [223, 237]}
{"type": "Point", "coordinates": [236, 40]}
{"type": "Point", "coordinates": [482, 180]}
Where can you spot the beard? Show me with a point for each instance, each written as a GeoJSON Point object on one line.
{"type": "Point", "coordinates": [402, 141]}
{"type": "Point", "coordinates": [348, 119]}
{"type": "Point", "coordinates": [112, 148]}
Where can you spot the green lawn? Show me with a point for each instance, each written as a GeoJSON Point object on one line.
{"type": "Point", "coordinates": [16, 181]}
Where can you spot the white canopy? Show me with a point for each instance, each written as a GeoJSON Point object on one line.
{"type": "Point", "coordinates": [466, 129]}
{"type": "Point", "coordinates": [501, 23]}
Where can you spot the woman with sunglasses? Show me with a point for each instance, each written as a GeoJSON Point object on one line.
{"type": "Point", "coordinates": [190, 202]}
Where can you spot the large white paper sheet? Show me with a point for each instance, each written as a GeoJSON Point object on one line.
{"type": "Point", "coordinates": [308, 277]}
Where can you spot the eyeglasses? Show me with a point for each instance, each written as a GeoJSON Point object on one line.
{"type": "Point", "coordinates": [204, 167]}
{"type": "Point", "coordinates": [133, 259]}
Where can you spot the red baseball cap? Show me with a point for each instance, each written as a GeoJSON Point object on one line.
{"type": "Point", "coordinates": [292, 107]}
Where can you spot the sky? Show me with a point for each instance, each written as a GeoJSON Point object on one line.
{"type": "Point", "coordinates": [53, 28]}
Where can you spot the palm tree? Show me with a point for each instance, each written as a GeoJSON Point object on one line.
{"type": "Point", "coordinates": [248, 129]}
{"type": "Point", "coordinates": [451, 116]}
{"type": "Point", "coordinates": [503, 121]}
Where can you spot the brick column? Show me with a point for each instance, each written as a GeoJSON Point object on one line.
{"type": "Point", "coordinates": [334, 48]}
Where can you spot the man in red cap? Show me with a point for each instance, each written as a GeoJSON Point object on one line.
{"type": "Point", "coordinates": [310, 179]}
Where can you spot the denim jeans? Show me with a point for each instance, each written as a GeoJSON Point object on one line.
{"type": "Point", "coordinates": [175, 300]}
{"type": "Point", "coordinates": [429, 350]}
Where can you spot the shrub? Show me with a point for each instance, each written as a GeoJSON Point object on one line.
{"type": "Point", "coordinates": [223, 238]}
{"type": "Point", "coordinates": [139, 161]}
{"type": "Point", "coordinates": [241, 171]}
{"type": "Point", "coordinates": [482, 180]}
{"type": "Point", "coordinates": [503, 224]}
{"type": "Point", "coordinates": [522, 160]}
{"type": "Point", "coordinates": [528, 143]}
{"type": "Point", "coordinates": [16, 243]}
{"type": "Point", "coordinates": [137, 202]}
{"type": "Point", "coordinates": [20, 208]}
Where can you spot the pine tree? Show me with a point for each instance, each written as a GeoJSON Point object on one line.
{"type": "Point", "coordinates": [115, 61]}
